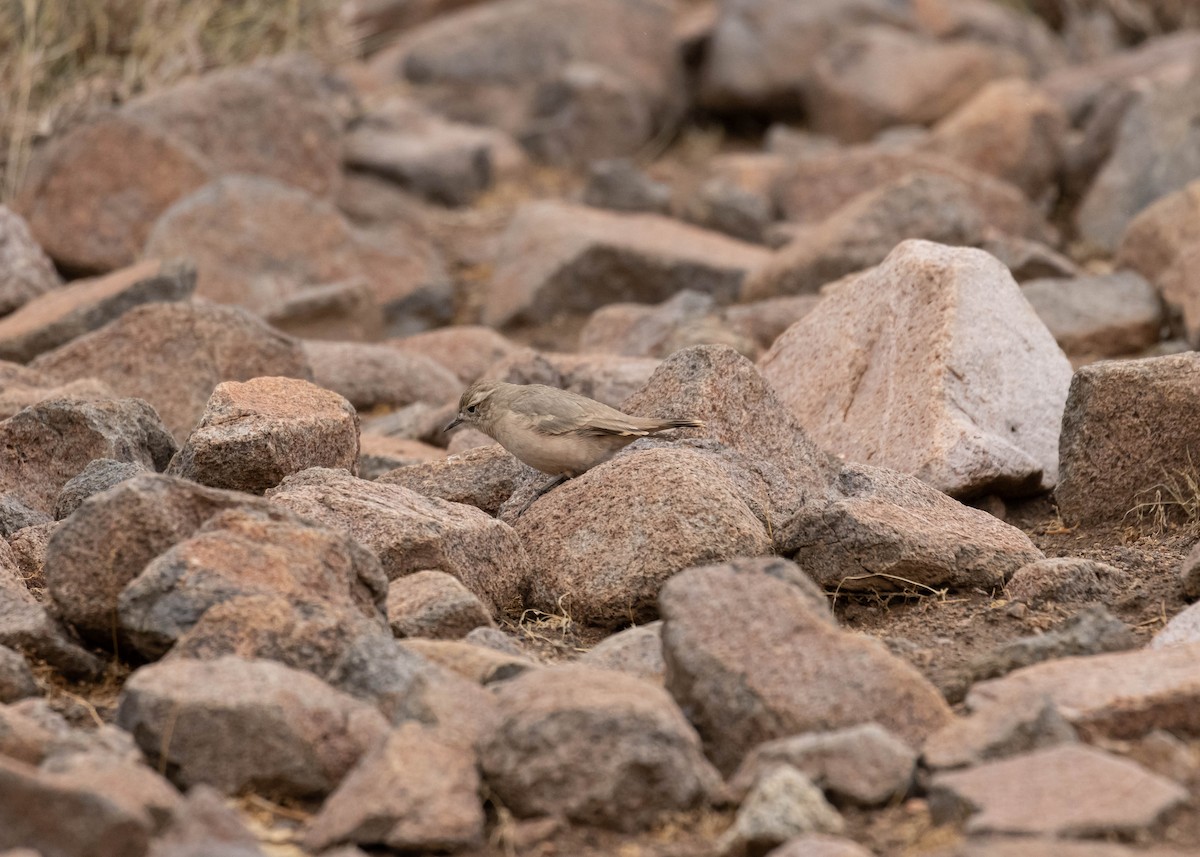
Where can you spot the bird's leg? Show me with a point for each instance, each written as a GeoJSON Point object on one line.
{"type": "Point", "coordinates": [545, 489]}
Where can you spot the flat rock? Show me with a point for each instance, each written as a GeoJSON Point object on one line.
{"type": "Point", "coordinates": [1110, 472]}
{"type": "Point", "coordinates": [100, 474]}
{"type": "Point", "coordinates": [28, 271]}
{"type": "Point", "coordinates": [618, 185]}
{"type": "Point", "coordinates": [969, 399]}
{"type": "Point", "coordinates": [782, 803]}
{"type": "Point", "coordinates": [1064, 579]}
{"type": "Point", "coordinates": [435, 605]}
{"type": "Point", "coordinates": [59, 316]}
{"type": "Point", "coordinates": [602, 545]}
{"type": "Point", "coordinates": [409, 532]}
{"type": "Point", "coordinates": [483, 665]}
{"type": "Point", "coordinates": [483, 477]}
{"type": "Point", "coordinates": [1118, 695]}
{"type": "Point", "coordinates": [1108, 315]}
{"type": "Point", "coordinates": [1069, 791]}
{"type": "Point", "coordinates": [371, 376]}
{"type": "Point", "coordinates": [246, 552]}
{"type": "Point", "coordinates": [996, 732]}
{"type": "Point", "coordinates": [1155, 153]}
{"type": "Point", "coordinates": [689, 318]}
{"type": "Point", "coordinates": [467, 350]}
{"type": "Point", "coordinates": [173, 355]}
{"type": "Point", "coordinates": [874, 77]}
{"type": "Point", "coordinates": [414, 792]}
{"type": "Point", "coordinates": [607, 378]}
{"type": "Point", "coordinates": [595, 746]}
{"type": "Point", "coordinates": [15, 514]}
{"type": "Point", "coordinates": [68, 191]}
{"type": "Point", "coordinates": [45, 445]}
{"type": "Point", "coordinates": [782, 671]}
{"type": "Point", "coordinates": [865, 231]}
{"type": "Point", "coordinates": [21, 387]}
{"type": "Point", "coordinates": [1011, 129]}
{"type": "Point", "coordinates": [254, 434]}
{"type": "Point", "coordinates": [636, 651]}
{"type": "Point", "coordinates": [16, 678]}
{"type": "Point", "coordinates": [559, 258]}
{"type": "Point", "coordinates": [379, 454]}
{"type": "Point", "coordinates": [863, 765]}
{"type": "Point", "coordinates": [243, 119]}
{"type": "Point", "coordinates": [819, 845]}
{"type": "Point", "coordinates": [239, 724]}
{"type": "Point", "coordinates": [111, 537]}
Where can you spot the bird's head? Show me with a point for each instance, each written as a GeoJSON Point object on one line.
{"type": "Point", "coordinates": [475, 404]}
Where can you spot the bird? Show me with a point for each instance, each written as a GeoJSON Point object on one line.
{"type": "Point", "coordinates": [560, 433]}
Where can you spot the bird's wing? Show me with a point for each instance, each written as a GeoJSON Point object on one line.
{"type": "Point", "coordinates": [563, 412]}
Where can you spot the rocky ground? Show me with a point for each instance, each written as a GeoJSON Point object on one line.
{"type": "Point", "coordinates": [926, 269]}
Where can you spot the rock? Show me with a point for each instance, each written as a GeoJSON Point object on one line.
{"type": "Point", "coordinates": [1070, 791]}
{"type": "Point", "coordinates": [15, 515]}
{"type": "Point", "coordinates": [1010, 129]}
{"type": "Point", "coordinates": [750, 660]}
{"type": "Point", "coordinates": [1019, 28]}
{"type": "Point", "coordinates": [875, 77]}
{"type": "Point", "coordinates": [1028, 259]}
{"type": "Point", "coordinates": [406, 274]}
{"type": "Point", "coordinates": [989, 398]}
{"type": "Point", "coordinates": [371, 376]}
{"type": "Point", "coordinates": [339, 311]}
{"type": "Point", "coordinates": [68, 192]}
{"type": "Point", "coordinates": [410, 533]}
{"type": "Point", "coordinates": [1109, 472]}
{"type": "Point", "coordinates": [379, 454]}
{"type": "Point", "coordinates": [57, 317]}
{"type": "Point", "coordinates": [783, 803]}
{"type": "Point", "coordinates": [29, 546]}
{"type": "Point", "coordinates": [16, 678]}
{"type": "Point", "coordinates": [1118, 695]}
{"type": "Point", "coordinates": [535, 69]}
{"type": "Point", "coordinates": [45, 445]}
{"type": "Point", "coordinates": [253, 435]}
{"type": "Point", "coordinates": [820, 845]}
{"type": "Point", "coordinates": [602, 545]}
{"type": "Point", "coordinates": [862, 765]}
{"type": "Point", "coordinates": [204, 821]}
{"type": "Point", "coordinates": [617, 184]}
{"type": "Point", "coordinates": [557, 258]}
{"type": "Point", "coordinates": [414, 792]}
{"type": "Point", "coordinates": [762, 52]}
{"type": "Point", "coordinates": [689, 318]}
{"type": "Point", "coordinates": [1154, 154]}
{"type": "Point", "coordinates": [113, 535]}
{"type": "Point", "coordinates": [18, 392]}
{"type": "Point", "coordinates": [496, 640]}
{"type": "Point", "coordinates": [1184, 627]}
{"type": "Point", "coordinates": [996, 732]}
{"type": "Point", "coordinates": [450, 163]}
{"type": "Point", "coordinates": [467, 350]}
{"type": "Point", "coordinates": [1038, 846]}
{"type": "Point", "coordinates": [257, 242]}
{"type": "Point", "coordinates": [239, 724]}
{"type": "Point", "coordinates": [374, 21]}
{"type": "Point", "coordinates": [812, 189]}
{"type": "Point", "coordinates": [881, 530]}
{"type": "Point", "coordinates": [722, 205]}
{"type": "Point", "coordinates": [54, 814]}
{"type": "Point", "coordinates": [28, 272]}
{"type": "Point", "coordinates": [434, 605]}
{"type": "Point", "coordinates": [100, 474]}
{"type": "Point", "coordinates": [1102, 316]}
{"type": "Point", "coordinates": [173, 355]}
{"type": "Point", "coordinates": [866, 230]}
{"type": "Point", "coordinates": [595, 746]}
{"type": "Point", "coordinates": [1160, 243]}
{"type": "Point", "coordinates": [247, 552]}
{"type": "Point", "coordinates": [1064, 579]}
{"type": "Point", "coordinates": [607, 378]}
{"type": "Point", "coordinates": [483, 477]}
{"type": "Point", "coordinates": [636, 651]}
{"type": "Point", "coordinates": [745, 418]}
{"type": "Point", "coordinates": [480, 664]}
{"type": "Point", "coordinates": [23, 738]}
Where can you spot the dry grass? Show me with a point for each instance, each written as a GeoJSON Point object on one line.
{"type": "Point", "coordinates": [1175, 501]}
{"type": "Point", "coordinates": [62, 58]}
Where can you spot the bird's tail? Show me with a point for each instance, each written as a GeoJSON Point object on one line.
{"type": "Point", "coordinates": [683, 424]}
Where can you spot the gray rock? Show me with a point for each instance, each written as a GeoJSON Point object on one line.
{"type": "Point", "coordinates": [100, 474]}
{"type": "Point", "coordinates": [1101, 316]}
{"type": "Point", "coordinates": [636, 651]}
{"type": "Point", "coordinates": [28, 272]}
{"type": "Point", "coordinates": [996, 732]}
{"type": "Point", "coordinates": [16, 678]}
{"type": "Point", "coordinates": [16, 515]}
{"type": "Point", "coordinates": [483, 477]}
{"type": "Point", "coordinates": [25, 625]}
{"type": "Point", "coordinates": [781, 804]}
{"type": "Point", "coordinates": [617, 184]}
{"type": "Point", "coordinates": [1064, 579]}
{"type": "Point", "coordinates": [434, 605]}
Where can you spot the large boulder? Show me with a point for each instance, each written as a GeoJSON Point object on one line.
{"type": "Point", "coordinates": [28, 271]}
{"type": "Point", "coordinates": [932, 364]}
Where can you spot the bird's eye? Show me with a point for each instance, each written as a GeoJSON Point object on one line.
{"type": "Point", "coordinates": [471, 408]}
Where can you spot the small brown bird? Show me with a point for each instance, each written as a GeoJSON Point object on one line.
{"type": "Point", "coordinates": [555, 431]}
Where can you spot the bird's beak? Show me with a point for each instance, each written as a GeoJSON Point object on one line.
{"type": "Point", "coordinates": [457, 421]}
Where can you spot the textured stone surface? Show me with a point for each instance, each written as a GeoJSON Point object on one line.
{"type": "Point", "coordinates": [433, 604]}
{"type": "Point", "coordinates": [28, 272]}
{"type": "Point", "coordinates": [782, 803]}
{"type": "Point", "coordinates": [467, 350]}
{"type": "Point", "coordinates": [636, 650]}
{"type": "Point", "coordinates": [596, 746]}
{"type": "Point", "coordinates": [1064, 579]}
{"type": "Point", "coordinates": [1101, 316]}
{"type": "Point", "coordinates": [931, 364]}
{"type": "Point", "coordinates": [1069, 791]}
{"type": "Point", "coordinates": [558, 258]}
{"type": "Point", "coordinates": [414, 792]}
{"type": "Point", "coordinates": [173, 355]}
{"type": "Point", "coordinates": [483, 477]}
{"type": "Point", "coordinates": [410, 533]}
{"type": "Point", "coordinates": [27, 626]}
{"type": "Point", "coordinates": [370, 375]}
{"type": "Point", "coordinates": [246, 724]}
{"type": "Point", "coordinates": [100, 474]}
{"type": "Point", "coordinates": [751, 660]}
{"type": "Point", "coordinates": [44, 446]}
{"type": "Point", "coordinates": [16, 678]}
{"type": "Point", "coordinates": [601, 546]}
{"type": "Point", "coordinates": [21, 387]}
{"type": "Point", "coordinates": [820, 845]}
{"type": "Point", "coordinates": [481, 664]}
{"type": "Point", "coordinates": [253, 435]}
{"type": "Point", "coordinates": [995, 732]}
{"type": "Point", "coordinates": [1128, 435]}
